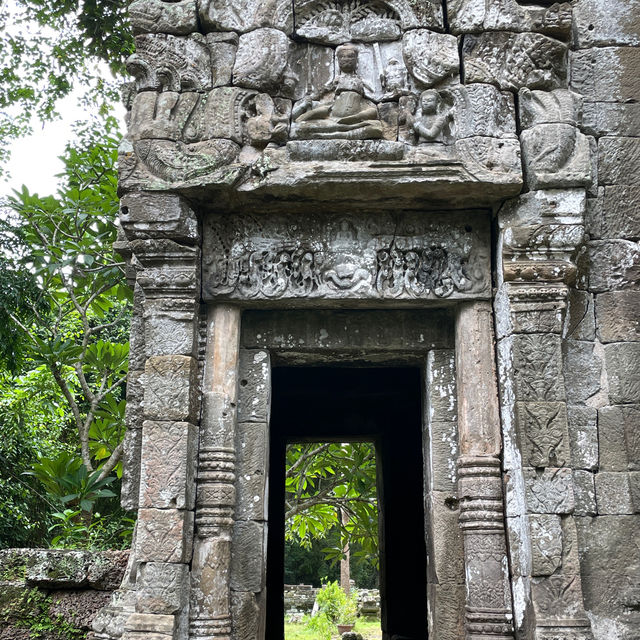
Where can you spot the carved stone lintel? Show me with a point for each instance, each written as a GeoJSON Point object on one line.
{"type": "Point", "coordinates": [378, 256]}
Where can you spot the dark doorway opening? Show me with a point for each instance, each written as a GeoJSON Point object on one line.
{"type": "Point", "coordinates": [382, 405]}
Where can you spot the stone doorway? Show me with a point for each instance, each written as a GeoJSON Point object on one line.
{"type": "Point", "coordinates": [382, 405]}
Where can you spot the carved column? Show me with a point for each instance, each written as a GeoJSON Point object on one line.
{"type": "Point", "coordinates": [210, 577]}
{"type": "Point", "coordinates": [488, 611]}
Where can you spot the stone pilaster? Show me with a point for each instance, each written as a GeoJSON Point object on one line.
{"type": "Point", "coordinates": [540, 233]}
{"type": "Point", "coordinates": [488, 612]}
{"type": "Point", "coordinates": [216, 491]}
{"type": "Point", "coordinates": [162, 238]}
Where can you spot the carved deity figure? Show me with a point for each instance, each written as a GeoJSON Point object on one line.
{"type": "Point", "coordinates": [394, 80]}
{"type": "Point", "coordinates": [344, 111]}
{"type": "Point", "coordinates": [431, 120]}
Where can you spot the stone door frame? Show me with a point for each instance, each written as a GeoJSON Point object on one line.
{"type": "Point", "coordinates": [469, 564]}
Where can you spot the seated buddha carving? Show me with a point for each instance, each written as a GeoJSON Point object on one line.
{"type": "Point", "coordinates": [343, 111]}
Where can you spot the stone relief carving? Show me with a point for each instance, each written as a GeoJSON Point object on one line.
{"type": "Point", "coordinates": [171, 63]}
{"type": "Point", "coordinates": [515, 60]}
{"type": "Point", "coordinates": [431, 119]}
{"type": "Point", "coordinates": [378, 256]}
{"type": "Point", "coordinates": [555, 152]}
{"type": "Point", "coordinates": [510, 15]}
{"type": "Point", "coordinates": [162, 16]}
{"type": "Point", "coordinates": [339, 21]}
{"type": "Point", "coordinates": [345, 111]}
{"type": "Point", "coordinates": [261, 60]}
{"type": "Point", "coordinates": [431, 58]}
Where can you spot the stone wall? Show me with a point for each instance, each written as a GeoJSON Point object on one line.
{"type": "Point", "coordinates": [385, 157]}
{"type": "Point", "coordinates": [55, 594]}
{"type": "Point", "coordinates": [567, 314]}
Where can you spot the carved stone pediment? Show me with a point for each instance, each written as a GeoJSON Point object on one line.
{"type": "Point", "coordinates": [410, 256]}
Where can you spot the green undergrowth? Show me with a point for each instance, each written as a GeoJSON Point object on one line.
{"type": "Point", "coordinates": [370, 630]}
{"type": "Point", "coordinates": [29, 609]}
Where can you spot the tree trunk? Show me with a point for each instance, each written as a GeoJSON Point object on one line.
{"type": "Point", "coordinates": [345, 572]}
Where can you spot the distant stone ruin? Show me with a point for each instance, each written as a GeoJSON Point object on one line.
{"type": "Point", "coordinates": [411, 221]}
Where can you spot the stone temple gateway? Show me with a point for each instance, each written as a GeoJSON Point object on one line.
{"type": "Point", "coordinates": [386, 190]}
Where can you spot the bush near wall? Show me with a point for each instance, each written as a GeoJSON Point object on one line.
{"type": "Point", "coordinates": [53, 594]}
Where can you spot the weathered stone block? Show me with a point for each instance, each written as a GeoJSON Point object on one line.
{"type": "Point", "coordinates": [171, 63]}
{"type": "Point", "coordinates": [555, 597]}
{"type": "Point", "coordinates": [251, 470]}
{"type": "Point", "coordinates": [537, 368]}
{"type": "Point", "coordinates": [549, 491]}
{"type": "Point", "coordinates": [430, 57]}
{"type": "Point", "coordinates": [219, 15]}
{"type": "Point", "coordinates": [623, 372]}
{"type": "Point", "coordinates": [59, 568]}
{"type": "Point", "coordinates": [582, 370]}
{"type": "Point", "coordinates": [546, 544]}
{"type": "Point", "coordinates": [446, 559]}
{"type": "Point", "coordinates": [446, 611]}
{"type": "Point", "coordinates": [150, 624]}
{"type": "Point", "coordinates": [580, 323]}
{"type": "Point", "coordinates": [542, 433]}
{"type": "Point", "coordinates": [168, 461]}
{"type": "Point", "coordinates": [442, 403]}
{"type": "Point", "coordinates": [162, 588]}
{"type": "Point", "coordinates": [158, 16]}
{"type": "Point", "coordinates": [170, 388]}
{"type": "Point", "coordinates": [164, 535]}
{"type": "Point", "coordinates": [355, 331]}
{"type": "Point", "coordinates": [131, 450]}
{"type": "Point", "coordinates": [619, 430]}
{"type": "Point", "coordinates": [634, 488]}
{"type": "Point", "coordinates": [170, 327]}
{"type": "Point", "coordinates": [514, 60]}
{"type": "Point", "coordinates": [618, 316]}
{"type": "Point", "coordinates": [509, 15]}
{"type": "Point", "coordinates": [555, 155]}
{"type": "Point", "coordinates": [247, 557]}
{"type": "Point", "coordinates": [613, 493]}
{"type": "Point", "coordinates": [618, 160]}
{"type": "Point", "coordinates": [442, 455]}
{"type": "Point", "coordinates": [584, 490]}
{"type": "Point", "coordinates": [607, 74]}
{"type": "Point", "coordinates": [562, 206]}
{"type": "Point", "coordinates": [223, 47]}
{"type": "Point", "coordinates": [583, 436]}
{"type": "Point", "coordinates": [261, 60]}
{"type": "Point", "coordinates": [611, 119]}
{"type": "Point", "coordinates": [482, 110]}
{"type": "Point", "coordinates": [599, 23]}
{"type": "Point", "coordinates": [247, 611]}
{"type": "Point", "coordinates": [254, 396]}
{"type": "Point", "coordinates": [559, 106]}
{"type": "Point", "coordinates": [609, 265]}
{"type": "Point", "coordinates": [620, 215]}
{"type": "Point", "coordinates": [519, 540]}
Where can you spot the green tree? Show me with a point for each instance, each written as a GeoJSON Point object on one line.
{"type": "Point", "coordinates": [68, 304]}
{"type": "Point", "coordinates": [325, 480]}
{"type": "Point", "coordinates": [49, 48]}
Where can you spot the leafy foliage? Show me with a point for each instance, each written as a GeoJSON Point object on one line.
{"type": "Point", "coordinates": [49, 48]}
{"type": "Point", "coordinates": [64, 321]}
{"type": "Point", "coordinates": [77, 293]}
{"type": "Point", "coordinates": [325, 479]}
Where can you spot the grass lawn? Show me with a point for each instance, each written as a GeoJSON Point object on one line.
{"type": "Point", "coordinates": [370, 630]}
